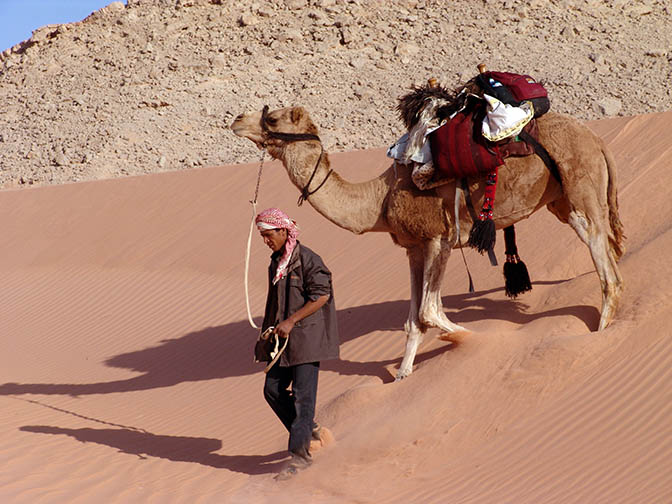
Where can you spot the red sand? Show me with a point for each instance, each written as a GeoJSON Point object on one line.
{"type": "Point", "coordinates": [126, 371]}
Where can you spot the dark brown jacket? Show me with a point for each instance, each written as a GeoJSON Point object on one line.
{"type": "Point", "coordinates": [315, 338]}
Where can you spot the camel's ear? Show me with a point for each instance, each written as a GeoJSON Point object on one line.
{"type": "Point", "coordinates": [297, 114]}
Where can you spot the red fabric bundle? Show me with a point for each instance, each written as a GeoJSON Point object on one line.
{"type": "Point", "coordinates": [514, 89]}
{"type": "Point", "coordinates": [459, 148]}
{"type": "Point", "coordinates": [522, 87]}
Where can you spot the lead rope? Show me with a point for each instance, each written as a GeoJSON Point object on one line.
{"type": "Point", "coordinates": [249, 241]}
{"type": "Point", "coordinates": [458, 201]}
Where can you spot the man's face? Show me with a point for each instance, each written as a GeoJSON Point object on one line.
{"type": "Point", "coordinates": [274, 238]}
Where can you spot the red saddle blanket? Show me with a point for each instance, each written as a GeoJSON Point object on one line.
{"type": "Point", "coordinates": [459, 148]}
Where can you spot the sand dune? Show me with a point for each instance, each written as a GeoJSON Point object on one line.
{"type": "Point", "coordinates": [126, 372]}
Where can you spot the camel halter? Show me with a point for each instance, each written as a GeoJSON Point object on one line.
{"type": "Point", "coordinates": [296, 137]}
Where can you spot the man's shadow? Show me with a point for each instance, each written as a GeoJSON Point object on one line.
{"type": "Point", "coordinates": [226, 351]}
{"type": "Point", "coordinates": [177, 448]}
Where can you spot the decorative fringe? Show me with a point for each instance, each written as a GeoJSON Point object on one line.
{"type": "Point", "coordinates": [516, 277]}
{"type": "Point", "coordinates": [482, 235]}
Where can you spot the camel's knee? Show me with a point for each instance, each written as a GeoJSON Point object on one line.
{"type": "Point", "coordinates": [431, 315]}
{"type": "Point", "coordinates": [413, 326]}
{"type": "Point", "coordinates": [430, 312]}
{"type": "Point", "coordinates": [414, 333]}
{"type": "Point", "coordinates": [426, 316]}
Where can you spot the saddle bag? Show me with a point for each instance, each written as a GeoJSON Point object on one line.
{"type": "Point", "coordinates": [514, 89]}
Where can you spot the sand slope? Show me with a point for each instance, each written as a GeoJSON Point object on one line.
{"type": "Point", "coordinates": [125, 357]}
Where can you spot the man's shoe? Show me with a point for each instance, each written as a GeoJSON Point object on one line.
{"type": "Point", "coordinates": [296, 464]}
{"type": "Point", "coordinates": [286, 473]}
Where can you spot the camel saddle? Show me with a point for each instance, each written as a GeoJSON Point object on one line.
{"type": "Point", "coordinates": [460, 150]}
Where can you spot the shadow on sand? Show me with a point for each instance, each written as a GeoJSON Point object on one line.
{"type": "Point", "coordinates": [225, 351]}
{"type": "Point", "coordinates": [176, 448]}
{"type": "Point", "coordinates": [221, 352]}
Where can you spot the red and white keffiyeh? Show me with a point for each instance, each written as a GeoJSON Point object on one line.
{"type": "Point", "coordinates": [274, 218]}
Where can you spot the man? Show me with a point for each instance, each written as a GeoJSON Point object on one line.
{"type": "Point", "coordinates": [300, 304]}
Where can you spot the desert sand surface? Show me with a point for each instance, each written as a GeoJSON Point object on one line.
{"type": "Point", "coordinates": [126, 371]}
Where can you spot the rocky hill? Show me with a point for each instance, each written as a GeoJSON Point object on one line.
{"type": "Point", "coordinates": [153, 85]}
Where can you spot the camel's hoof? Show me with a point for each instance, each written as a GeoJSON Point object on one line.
{"type": "Point", "coordinates": [400, 376]}
{"type": "Point", "coordinates": [454, 337]}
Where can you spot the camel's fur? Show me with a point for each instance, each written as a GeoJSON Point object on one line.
{"type": "Point", "coordinates": [423, 222]}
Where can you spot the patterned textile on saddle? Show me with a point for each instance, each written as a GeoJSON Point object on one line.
{"type": "Point", "coordinates": [471, 150]}
{"type": "Point", "coordinates": [459, 148]}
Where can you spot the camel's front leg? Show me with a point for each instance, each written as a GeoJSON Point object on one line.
{"type": "Point", "coordinates": [414, 329]}
{"type": "Point", "coordinates": [437, 251]}
{"type": "Point", "coordinates": [414, 336]}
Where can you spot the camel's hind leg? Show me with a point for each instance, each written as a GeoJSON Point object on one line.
{"type": "Point", "coordinates": [593, 232]}
{"type": "Point", "coordinates": [594, 235]}
{"type": "Point", "coordinates": [436, 253]}
{"type": "Point", "coordinates": [415, 330]}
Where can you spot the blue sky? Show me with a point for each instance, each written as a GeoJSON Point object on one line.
{"type": "Point", "coordinates": [18, 18]}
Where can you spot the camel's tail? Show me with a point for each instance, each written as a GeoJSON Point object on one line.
{"type": "Point", "coordinates": [616, 236]}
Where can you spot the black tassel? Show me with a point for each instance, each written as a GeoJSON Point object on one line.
{"type": "Point", "coordinates": [516, 276]}
{"type": "Point", "coordinates": [482, 235]}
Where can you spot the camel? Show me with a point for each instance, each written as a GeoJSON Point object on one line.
{"type": "Point", "coordinates": [424, 222]}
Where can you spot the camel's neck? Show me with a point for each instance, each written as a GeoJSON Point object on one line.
{"type": "Point", "coordinates": [355, 207]}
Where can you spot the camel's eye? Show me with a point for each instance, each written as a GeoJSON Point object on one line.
{"type": "Point", "coordinates": [271, 121]}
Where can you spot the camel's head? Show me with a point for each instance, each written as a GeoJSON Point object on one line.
{"type": "Point", "coordinates": [275, 128]}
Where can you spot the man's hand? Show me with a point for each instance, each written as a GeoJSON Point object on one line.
{"type": "Point", "coordinates": [283, 328]}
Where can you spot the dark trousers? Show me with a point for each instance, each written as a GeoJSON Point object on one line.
{"type": "Point", "coordinates": [295, 409]}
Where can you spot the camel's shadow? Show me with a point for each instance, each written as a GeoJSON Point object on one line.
{"type": "Point", "coordinates": [226, 351]}
{"type": "Point", "coordinates": [176, 448]}
{"type": "Point", "coordinates": [470, 307]}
